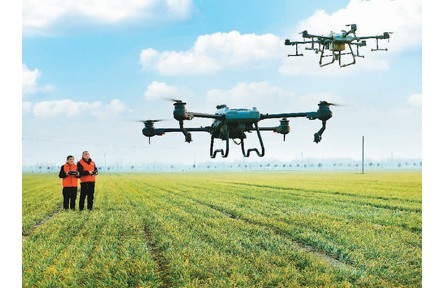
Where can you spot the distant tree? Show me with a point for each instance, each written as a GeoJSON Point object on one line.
{"type": "Point", "coordinates": [319, 165]}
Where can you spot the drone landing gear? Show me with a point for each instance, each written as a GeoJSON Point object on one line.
{"type": "Point", "coordinates": [296, 52]}
{"type": "Point", "coordinates": [213, 153]}
{"type": "Point", "coordinates": [336, 56]}
{"type": "Point", "coordinates": [260, 154]}
{"type": "Point", "coordinates": [377, 47]}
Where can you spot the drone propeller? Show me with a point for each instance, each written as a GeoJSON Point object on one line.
{"type": "Point", "coordinates": [325, 103]}
{"type": "Point", "coordinates": [175, 100]}
{"type": "Point", "coordinates": [150, 122]}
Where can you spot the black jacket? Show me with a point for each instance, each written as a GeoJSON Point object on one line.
{"type": "Point", "coordinates": [84, 173]}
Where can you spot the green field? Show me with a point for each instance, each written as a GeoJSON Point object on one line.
{"type": "Point", "coordinates": [288, 229]}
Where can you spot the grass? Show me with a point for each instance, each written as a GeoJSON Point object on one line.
{"type": "Point", "coordinates": [260, 229]}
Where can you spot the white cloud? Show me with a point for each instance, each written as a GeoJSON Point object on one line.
{"type": "Point", "coordinates": [29, 81]}
{"type": "Point", "coordinates": [116, 106]}
{"type": "Point", "coordinates": [214, 52]}
{"type": "Point", "coordinates": [160, 90]}
{"type": "Point", "coordinates": [415, 99]}
{"type": "Point", "coordinates": [41, 15]}
{"type": "Point", "coordinates": [181, 8]}
{"type": "Point", "coordinates": [248, 95]}
{"type": "Point", "coordinates": [70, 109]}
{"type": "Point", "coordinates": [402, 17]}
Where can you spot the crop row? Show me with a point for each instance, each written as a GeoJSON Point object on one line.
{"type": "Point", "coordinates": [219, 230]}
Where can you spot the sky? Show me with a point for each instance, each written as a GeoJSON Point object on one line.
{"type": "Point", "coordinates": [91, 70]}
{"type": "Point", "coordinates": [77, 74]}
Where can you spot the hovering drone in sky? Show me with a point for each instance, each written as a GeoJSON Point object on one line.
{"type": "Point", "coordinates": [234, 123]}
{"type": "Point", "coordinates": [336, 44]}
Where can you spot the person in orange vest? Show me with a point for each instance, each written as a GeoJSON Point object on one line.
{"type": "Point", "coordinates": [88, 171]}
{"type": "Point", "coordinates": [69, 174]}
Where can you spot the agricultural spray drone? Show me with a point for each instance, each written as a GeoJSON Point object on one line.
{"type": "Point", "coordinates": [234, 123]}
{"type": "Point", "coordinates": [336, 44]}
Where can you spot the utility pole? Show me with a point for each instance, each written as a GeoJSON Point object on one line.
{"type": "Point", "coordinates": [363, 154]}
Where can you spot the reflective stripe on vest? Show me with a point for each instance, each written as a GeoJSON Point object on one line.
{"type": "Point", "coordinates": [70, 180]}
{"type": "Point", "coordinates": [87, 167]}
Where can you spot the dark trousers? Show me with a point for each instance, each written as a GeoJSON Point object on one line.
{"type": "Point", "coordinates": [86, 191]}
{"type": "Point", "coordinates": [69, 197]}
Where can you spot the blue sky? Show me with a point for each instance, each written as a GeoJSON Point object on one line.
{"type": "Point", "coordinates": [90, 70]}
{"type": "Point", "coordinates": [83, 81]}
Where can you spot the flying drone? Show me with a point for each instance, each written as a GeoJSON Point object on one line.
{"type": "Point", "coordinates": [336, 44]}
{"type": "Point", "coordinates": [234, 123]}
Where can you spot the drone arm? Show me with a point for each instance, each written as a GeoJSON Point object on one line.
{"type": "Point", "coordinates": [150, 132]}
{"type": "Point", "coordinates": [385, 35]}
{"type": "Point", "coordinates": [191, 115]}
{"type": "Point", "coordinates": [168, 130]}
{"type": "Point", "coordinates": [285, 115]}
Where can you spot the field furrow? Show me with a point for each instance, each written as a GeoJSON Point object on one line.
{"type": "Point", "coordinates": [227, 230]}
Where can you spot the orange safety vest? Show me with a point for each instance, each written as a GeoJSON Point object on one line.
{"type": "Point", "coordinates": [87, 167]}
{"type": "Point", "coordinates": [69, 180]}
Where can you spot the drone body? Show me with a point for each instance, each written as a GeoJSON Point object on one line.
{"type": "Point", "coordinates": [338, 44]}
{"type": "Point", "coordinates": [234, 124]}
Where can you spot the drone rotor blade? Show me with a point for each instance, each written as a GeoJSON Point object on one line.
{"type": "Point", "coordinates": [175, 100]}
{"type": "Point", "coordinates": [329, 103]}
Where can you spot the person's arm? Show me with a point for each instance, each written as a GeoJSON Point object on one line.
{"type": "Point", "coordinates": [95, 171]}
{"type": "Point", "coordinates": [62, 173]}
{"type": "Point", "coordinates": [81, 171]}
